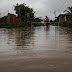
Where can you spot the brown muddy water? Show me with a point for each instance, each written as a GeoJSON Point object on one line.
{"type": "Point", "coordinates": [38, 49]}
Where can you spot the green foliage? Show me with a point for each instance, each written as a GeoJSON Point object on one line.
{"type": "Point", "coordinates": [23, 11]}
{"type": "Point", "coordinates": [22, 24]}
{"type": "Point", "coordinates": [37, 20]}
{"type": "Point", "coordinates": [66, 24]}
{"type": "Point", "coordinates": [36, 24]}
{"type": "Point", "coordinates": [8, 25]}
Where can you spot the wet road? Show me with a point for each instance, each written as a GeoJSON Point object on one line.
{"type": "Point", "coordinates": [38, 49]}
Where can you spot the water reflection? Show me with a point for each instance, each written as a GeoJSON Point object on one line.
{"type": "Point", "coordinates": [24, 37]}
{"type": "Point", "coordinates": [35, 42]}
{"type": "Point", "coordinates": [35, 49]}
{"type": "Point", "coordinates": [66, 39]}
{"type": "Point", "coordinates": [46, 28]}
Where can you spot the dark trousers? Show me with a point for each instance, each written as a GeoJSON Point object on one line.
{"type": "Point", "coordinates": [47, 24]}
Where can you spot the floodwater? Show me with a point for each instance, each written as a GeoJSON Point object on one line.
{"type": "Point", "coordinates": [38, 49]}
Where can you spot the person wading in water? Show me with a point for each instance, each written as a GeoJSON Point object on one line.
{"type": "Point", "coordinates": [47, 21]}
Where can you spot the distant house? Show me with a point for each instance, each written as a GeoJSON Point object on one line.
{"type": "Point", "coordinates": [10, 18]}
{"type": "Point", "coordinates": [3, 19]}
{"type": "Point", "coordinates": [64, 17]}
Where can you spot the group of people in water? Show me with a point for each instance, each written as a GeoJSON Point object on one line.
{"type": "Point", "coordinates": [46, 21]}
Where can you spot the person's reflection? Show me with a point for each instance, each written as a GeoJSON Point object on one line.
{"type": "Point", "coordinates": [47, 28]}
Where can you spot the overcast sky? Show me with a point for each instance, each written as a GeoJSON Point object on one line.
{"type": "Point", "coordinates": [42, 7]}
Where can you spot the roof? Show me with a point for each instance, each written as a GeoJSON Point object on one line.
{"type": "Point", "coordinates": [65, 15]}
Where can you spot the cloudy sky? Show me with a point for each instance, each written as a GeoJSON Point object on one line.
{"type": "Point", "coordinates": [42, 7]}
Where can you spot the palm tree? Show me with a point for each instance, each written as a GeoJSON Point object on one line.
{"type": "Point", "coordinates": [69, 10]}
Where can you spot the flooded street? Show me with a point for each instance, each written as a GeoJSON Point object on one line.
{"type": "Point", "coordinates": [38, 49]}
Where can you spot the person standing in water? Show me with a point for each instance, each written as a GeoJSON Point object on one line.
{"type": "Point", "coordinates": [47, 21]}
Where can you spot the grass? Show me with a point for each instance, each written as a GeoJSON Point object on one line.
{"type": "Point", "coordinates": [36, 24]}
{"type": "Point", "coordinates": [66, 24]}
{"type": "Point", "coordinates": [22, 24]}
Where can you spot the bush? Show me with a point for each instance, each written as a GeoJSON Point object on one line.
{"type": "Point", "coordinates": [22, 24]}
{"type": "Point", "coordinates": [66, 24]}
{"type": "Point", "coordinates": [36, 24]}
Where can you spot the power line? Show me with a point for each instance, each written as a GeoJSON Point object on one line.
{"type": "Point", "coordinates": [62, 5]}
{"type": "Point", "coordinates": [59, 7]}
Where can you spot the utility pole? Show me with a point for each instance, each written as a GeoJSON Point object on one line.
{"type": "Point", "coordinates": [55, 13]}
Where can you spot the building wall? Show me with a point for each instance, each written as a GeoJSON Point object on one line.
{"type": "Point", "coordinates": [11, 18]}
{"type": "Point", "coordinates": [3, 19]}
{"type": "Point", "coordinates": [0, 20]}
{"type": "Point", "coordinates": [63, 18]}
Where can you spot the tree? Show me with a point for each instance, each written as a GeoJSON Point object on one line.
{"type": "Point", "coordinates": [37, 19]}
{"type": "Point", "coordinates": [69, 10]}
{"type": "Point", "coordinates": [23, 11]}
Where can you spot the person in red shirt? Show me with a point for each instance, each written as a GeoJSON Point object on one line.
{"type": "Point", "coordinates": [47, 21]}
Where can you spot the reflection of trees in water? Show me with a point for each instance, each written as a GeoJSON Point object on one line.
{"type": "Point", "coordinates": [21, 37]}
{"type": "Point", "coordinates": [18, 40]}
{"type": "Point", "coordinates": [24, 36]}
{"type": "Point", "coordinates": [11, 37]}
